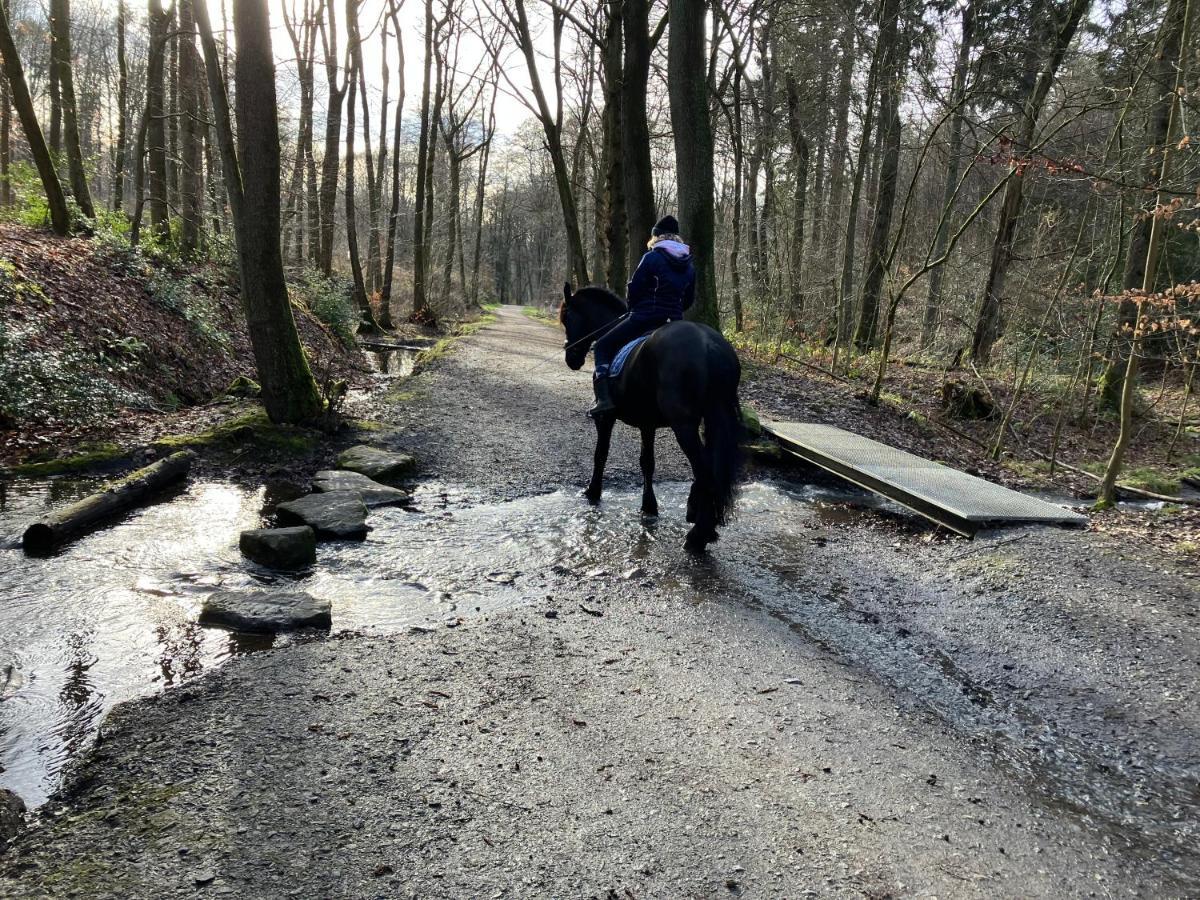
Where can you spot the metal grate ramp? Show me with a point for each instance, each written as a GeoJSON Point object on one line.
{"type": "Point", "coordinates": [949, 497]}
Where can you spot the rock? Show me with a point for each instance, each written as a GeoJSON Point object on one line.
{"type": "Point", "coordinates": [381, 465]}
{"type": "Point", "coordinates": [372, 492]}
{"type": "Point", "coordinates": [280, 548]}
{"type": "Point", "coordinates": [265, 611]}
{"type": "Point", "coordinates": [334, 514]}
{"type": "Point", "coordinates": [12, 816]}
{"type": "Point", "coordinates": [10, 680]}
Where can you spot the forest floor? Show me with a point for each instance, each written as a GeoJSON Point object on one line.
{"type": "Point", "coordinates": [834, 703]}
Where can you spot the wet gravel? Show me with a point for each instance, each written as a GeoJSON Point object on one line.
{"type": "Point", "coordinates": [858, 707]}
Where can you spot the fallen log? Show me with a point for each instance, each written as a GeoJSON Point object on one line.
{"type": "Point", "coordinates": [132, 490]}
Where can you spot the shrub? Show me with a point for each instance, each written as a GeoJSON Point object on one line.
{"type": "Point", "coordinates": [329, 299]}
{"type": "Point", "coordinates": [42, 386]}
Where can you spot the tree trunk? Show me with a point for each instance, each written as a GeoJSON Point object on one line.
{"type": "Point", "coordinates": [892, 71]}
{"type": "Point", "coordinates": [421, 311]}
{"type": "Point", "coordinates": [485, 153]}
{"type": "Point", "coordinates": [958, 91]}
{"type": "Point", "coordinates": [56, 201]}
{"type": "Point", "coordinates": [693, 148]}
{"type": "Point", "coordinates": [385, 303]}
{"type": "Point", "coordinates": [6, 192]}
{"type": "Point", "coordinates": [837, 161]}
{"type": "Point", "coordinates": [120, 496]}
{"type": "Point", "coordinates": [849, 260]}
{"type": "Point", "coordinates": [55, 88]}
{"type": "Point", "coordinates": [641, 212]}
{"type": "Point", "coordinates": [1163, 76]}
{"type": "Point", "coordinates": [333, 141]}
{"type": "Point", "coordinates": [118, 197]}
{"type": "Point", "coordinates": [191, 164]}
{"type": "Point", "coordinates": [614, 221]}
{"type": "Point", "coordinates": [799, 197]}
{"type": "Point", "coordinates": [60, 22]}
{"type": "Point", "coordinates": [288, 390]}
{"type": "Point", "coordinates": [156, 132]}
{"type": "Point", "coordinates": [361, 303]}
{"type": "Point", "coordinates": [988, 324]}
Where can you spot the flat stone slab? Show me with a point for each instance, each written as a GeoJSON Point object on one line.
{"type": "Point", "coordinates": [265, 611]}
{"type": "Point", "coordinates": [372, 492]}
{"type": "Point", "coordinates": [280, 548]}
{"type": "Point", "coordinates": [334, 514]}
{"type": "Point", "coordinates": [381, 465]}
{"type": "Point", "coordinates": [12, 816]}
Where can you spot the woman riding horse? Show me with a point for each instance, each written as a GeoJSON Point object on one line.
{"type": "Point", "coordinates": [663, 286]}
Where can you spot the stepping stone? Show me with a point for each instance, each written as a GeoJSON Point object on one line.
{"type": "Point", "coordinates": [381, 465]}
{"type": "Point", "coordinates": [334, 514]}
{"type": "Point", "coordinates": [280, 548]}
{"type": "Point", "coordinates": [372, 492]}
{"type": "Point", "coordinates": [265, 611]}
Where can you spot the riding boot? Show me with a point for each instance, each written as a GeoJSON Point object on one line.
{"type": "Point", "coordinates": [604, 402]}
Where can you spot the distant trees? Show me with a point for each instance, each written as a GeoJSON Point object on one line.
{"type": "Point", "coordinates": [944, 183]}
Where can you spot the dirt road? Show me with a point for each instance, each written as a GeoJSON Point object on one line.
{"type": "Point", "coordinates": [836, 703]}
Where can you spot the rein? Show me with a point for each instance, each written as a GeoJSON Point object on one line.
{"type": "Point", "coordinates": [602, 329]}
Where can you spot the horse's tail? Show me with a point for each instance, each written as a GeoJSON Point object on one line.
{"type": "Point", "coordinates": [722, 429]}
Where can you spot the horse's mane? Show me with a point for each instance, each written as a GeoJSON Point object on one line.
{"type": "Point", "coordinates": [597, 294]}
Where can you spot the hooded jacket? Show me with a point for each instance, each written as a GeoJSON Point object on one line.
{"type": "Point", "coordinates": [664, 284]}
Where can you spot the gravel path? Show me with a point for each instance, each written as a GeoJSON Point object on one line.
{"type": "Point", "coordinates": [855, 707]}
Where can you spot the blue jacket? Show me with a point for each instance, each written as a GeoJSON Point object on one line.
{"type": "Point", "coordinates": [664, 284]}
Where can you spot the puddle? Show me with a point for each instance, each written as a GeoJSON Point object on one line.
{"type": "Point", "coordinates": [113, 615]}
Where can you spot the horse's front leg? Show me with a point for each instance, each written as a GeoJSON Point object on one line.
{"type": "Point", "coordinates": [649, 501]}
{"type": "Point", "coordinates": [604, 430]}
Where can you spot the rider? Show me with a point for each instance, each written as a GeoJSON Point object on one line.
{"type": "Point", "coordinates": [663, 286]}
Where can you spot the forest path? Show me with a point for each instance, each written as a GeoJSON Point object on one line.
{"type": "Point", "coordinates": [832, 704]}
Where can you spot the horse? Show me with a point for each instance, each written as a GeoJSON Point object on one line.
{"type": "Point", "coordinates": [683, 375]}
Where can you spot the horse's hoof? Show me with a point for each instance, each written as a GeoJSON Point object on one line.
{"type": "Point", "coordinates": [649, 518]}
{"type": "Point", "coordinates": [593, 497]}
{"type": "Point", "coordinates": [697, 540]}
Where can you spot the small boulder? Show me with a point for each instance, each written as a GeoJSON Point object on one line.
{"type": "Point", "coordinates": [334, 514]}
{"type": "Point", "coordinates": [265, 611]}
{"type": "Point", "coordinates": [12, 816]}
{"type": "Point", "coordinates": [280, 548]}
{"type": "Point", "coordinates": [372, 492]}
{"type": "Point", "coordinates": [380, 465]}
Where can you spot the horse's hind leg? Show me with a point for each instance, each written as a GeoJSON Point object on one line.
{"type": "Point", "coordinates": [700, 499]}
{"type": "Point", "coordinates": [649, 501]}
{"type": "Point", "coordinates": [604, 430]}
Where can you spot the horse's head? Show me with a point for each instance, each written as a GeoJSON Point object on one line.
{"type": "Point", "coordinates": [584, 314]}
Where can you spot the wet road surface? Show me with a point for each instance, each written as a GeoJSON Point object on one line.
{"type": "Point", "coordinates": [836, 702]}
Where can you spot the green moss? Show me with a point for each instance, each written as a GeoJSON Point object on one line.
{"type": "Point", "coordinates": [251, 429]}
{"type": "Point", "coordinates": [87, 457]}
{"type": "Point", "coordinates": [244, 386]}
{"type": "Point", "coordinates": [366, 425]}
{"type": "Point", "coordinates": [1149, 479]}
{"type": "Point", "coordinates": [538, 316]}
{"type": "Point", "coordinates": [750, 420]}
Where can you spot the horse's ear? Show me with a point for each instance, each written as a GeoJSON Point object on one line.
{"type": "Point", "coordinates": [567, 292]}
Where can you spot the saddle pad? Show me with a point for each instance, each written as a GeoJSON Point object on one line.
{"type": "Point", "coordinates": [624, 354]}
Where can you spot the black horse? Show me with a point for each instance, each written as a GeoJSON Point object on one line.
{"type": "Point", "coordinates": [683, 375]}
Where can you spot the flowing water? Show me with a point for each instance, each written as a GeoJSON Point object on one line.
{"type": "Point", "coordinates": [113, 615]}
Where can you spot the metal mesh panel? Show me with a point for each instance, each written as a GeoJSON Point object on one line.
{"type": "Point", "coordinates": [963, 495]}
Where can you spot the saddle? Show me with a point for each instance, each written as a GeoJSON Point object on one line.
{"type": "Point", "coordinates": [624, 353]}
